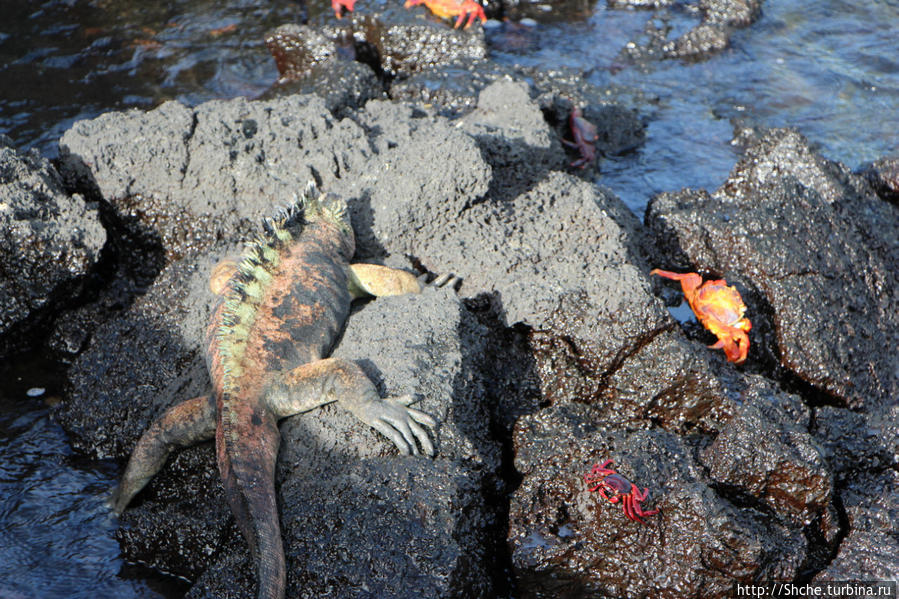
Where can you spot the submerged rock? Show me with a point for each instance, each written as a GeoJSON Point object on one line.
{"type": "Point", "coordinates": [719, 20]}
{"type": "Point", "coordinates": [50, 242]}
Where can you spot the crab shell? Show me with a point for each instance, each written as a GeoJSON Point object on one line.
{"type": "Point", "coordinates": [719, 308]}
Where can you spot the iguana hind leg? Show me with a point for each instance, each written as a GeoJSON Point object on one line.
{"type": "Point", "coordinates": [182, 425]}
{"type": "Point", "coordinates": [334, 379]}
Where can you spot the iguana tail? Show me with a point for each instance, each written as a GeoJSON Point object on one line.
{"type": "Point", "coordinates": [247, 442]}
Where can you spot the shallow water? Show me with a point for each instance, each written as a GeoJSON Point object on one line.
{"type": "Point", "coordinates": [56, 534]}
{"type": "Point", "coordinates": [828, 68]}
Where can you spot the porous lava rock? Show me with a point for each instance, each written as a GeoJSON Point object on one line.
{"type": "Point", "coordinates": [765, 454]}
{"type": "Point", "coordinates": [50, 241]}
{"type": "Point", "coordinates": [452, 89]}
{"type": "Point", "coordinates": [191, 177]}
{"type": "Point", "coordinates": [718, 21]}
{"type": "Point", "coordinates": [817, 245]}
{"type": "Point", "coordinates": [421, 175]}
{"type": "Point", "coordinates": [311, 63]}
{"type": "Point", "coordinates": [854, 442]}
{"type": "Point", "coordinates": [883, 175]}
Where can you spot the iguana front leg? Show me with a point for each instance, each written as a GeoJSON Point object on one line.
{"type": "Point", "coordinates": [373, 279]}
{"type": "Point", "coordinates": [182, 425]}
{"type": "Point", "coordinates": [334, 379]}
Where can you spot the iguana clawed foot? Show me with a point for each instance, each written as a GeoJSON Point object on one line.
{"type": "Point", "coordinates": [448, 280]}
{"type": "Point", "coordinates": [393, 418]}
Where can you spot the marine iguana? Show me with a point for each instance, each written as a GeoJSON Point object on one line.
{"type": "Point", "coordinates": [281, 307]}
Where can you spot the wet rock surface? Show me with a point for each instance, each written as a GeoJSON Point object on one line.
{"type": "Point", "coordinates": [452, 88]}
{"type": "Point", "coordinates": [50, 242]}
{"type": "Point", "coordinates": [870, 550]}
{"type": "Point", "coordinates": [309, 62]}
{"type": "Point", "coordinates": [569, 542]}
{"type": "Point", "coordinates": [763, 453]}
{"type": "Point", "coordinates": [820, 248]}
{"type": "Point", "coordinates": [883, 175]}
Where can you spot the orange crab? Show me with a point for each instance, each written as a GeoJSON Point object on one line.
{"type": "Point", "coordinates": [719, 308]}
{"type": "Point", "coordinates": [450, 8]}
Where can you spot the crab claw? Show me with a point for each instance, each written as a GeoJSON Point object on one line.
{"type": "Point", "coordinates": [340, 5]}
{"type": "Point", "coordinates": [688, 280]}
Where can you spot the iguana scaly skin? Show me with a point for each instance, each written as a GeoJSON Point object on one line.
{"type": "Point", "coordinates": [281, 308]}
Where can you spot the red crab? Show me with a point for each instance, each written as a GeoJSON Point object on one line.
{"type": "Point", "coordinates": [719, 308]}
{"type": "Point", "coordinates": [584, 134]}
{"type": "Point", "coordinates": [606, 479]}
{"type": "Point", "coordinates": [450, 8]}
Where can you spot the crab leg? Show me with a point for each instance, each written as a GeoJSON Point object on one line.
{"type": "Point", "coordinates": [629, 507]}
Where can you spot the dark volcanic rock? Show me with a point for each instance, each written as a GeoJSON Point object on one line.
{"type": "Point", "coordinates": [816, 245]}
{"type": "Point", "coordinates": [514, 138]}
{"type": "Point", "coordinates": [344, 85]}
{"type": "Point", "coordinates": [871, 549]}
{"type": "Point", "coordinates": [720, 18]}
{"type": "Point", "coordinates": [298, 48]}
{"type": "Point", "coordinates": [193, 176]}
{"type": "Point", "coordinates": [142, 362]}
{"type": "Point", "coordinates": [762, 452]}
{"type": "Point", "coordinates": [50, 241]}
{"type": "Point", "coordinates": [563, 259]}
{"type": "Point", "coordinates": [853, 442]}
{"type": "Point", "coordinates": [402, 42]}
{"type": "Point", "coordinates": [451, 88]}
{"type": "Point", "coordinates": [310, 63]}
{"type": "Point", "coordinates": [354, 514]}
{"type": "Point", "coordinates": [883, 175]}
{"type": "Point", "coordinates": [422, 174]}
{"type": "Point", "coordinates": [619, 127]}
{"type": "Point", "coordinates": [568, 542]}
